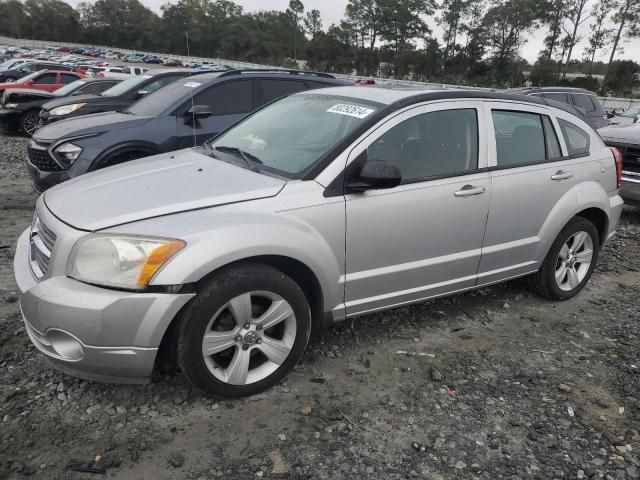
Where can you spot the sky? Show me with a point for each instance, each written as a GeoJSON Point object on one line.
{"type": "Point", "coordinates": [332, 11]}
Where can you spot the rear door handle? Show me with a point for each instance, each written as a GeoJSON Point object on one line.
{"type": "Point", "coordinates": [561, 175]}
{"type": "Point", "coordinates": [469, 190]}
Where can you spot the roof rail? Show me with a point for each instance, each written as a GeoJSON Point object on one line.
{"type": "Point", "coordinates": [276, 70]}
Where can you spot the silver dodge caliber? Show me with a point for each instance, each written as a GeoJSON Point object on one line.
{"type": "Point", "coordinates": [321, 206]}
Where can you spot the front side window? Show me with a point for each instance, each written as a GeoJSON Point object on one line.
{"type": "Point", "coordinates": [519, 138]}
{"type": "Point", "coordinates": [45, 79]}
{"type": "Point", "coordinates": [577, 140]}
{"type": "Point", "coordinates": [431, 145]}
{"type": "Point", "coordinates": [291, 135]}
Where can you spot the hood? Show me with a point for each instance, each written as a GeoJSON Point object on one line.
{"type": "Point", "coordinates": [621, 133]}
{"type": "Point", "coordinates": [59, 102]}
{"type": "Point", "coordinates": [88, 125]}
{"type": "Point", "coordinates": [154, 186]}
{"type": "Point", "coordinates": [30, 93]}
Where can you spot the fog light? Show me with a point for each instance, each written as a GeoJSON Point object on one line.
{"type": "Point", "coordinates": [65, 345]}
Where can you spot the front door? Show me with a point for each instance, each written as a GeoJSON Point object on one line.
{"type": "Point", "coordinates": [423, 238]}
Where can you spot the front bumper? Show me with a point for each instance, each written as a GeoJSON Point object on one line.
{"type": "Point", "coordinates": [630, 189]}
{"type": "Point", "coordinates": [91, 332]}
{"type": "Point", "coordinates": [44, 180]}
{"type": "Point", "coordinates": [9, 118]}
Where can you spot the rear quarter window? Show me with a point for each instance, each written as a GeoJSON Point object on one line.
{"type": "Point", "coordinates": [584, 101]}
{"type": "Point", "coordinates": [578, 141]}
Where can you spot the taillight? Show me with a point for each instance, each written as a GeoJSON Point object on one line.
{"type": "Point", "coordinates": [618, 158]}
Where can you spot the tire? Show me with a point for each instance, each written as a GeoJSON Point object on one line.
{"type": "Point", "coordinates": [220, 309]}
{"type": "Point", "coordinates": [29, 122]}
{"type": "Point", "coordinates": [572, 274]}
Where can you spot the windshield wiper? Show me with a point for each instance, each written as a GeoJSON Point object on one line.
{"type": "Point", "coordinates": [250, 160]}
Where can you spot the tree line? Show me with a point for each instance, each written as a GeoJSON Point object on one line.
{"type": "Point", "coordinates": [479, 42]}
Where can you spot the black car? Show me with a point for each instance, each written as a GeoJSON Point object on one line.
{"type": "Point", "coordinates": [183, 114]}
{"type": "Point", "coordinates": [27, 68]}
{"type": "Point", "coordinates": [586, 102]}
{"type": "Point", "coordinates": [117, 98]}
{"type": "Point", "coordinates": [19, 107]}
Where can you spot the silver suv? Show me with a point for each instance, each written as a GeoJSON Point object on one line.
{"type": "Point", "coordinates": [321, 206]}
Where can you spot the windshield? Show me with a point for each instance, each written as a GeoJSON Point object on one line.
{"type": "Point", "coordinates": [69, 88]}
{"type": "Point", "coordinates": [126, 86]}
{"type": "Point", "coordinates": [630, 113]}
{"type": "Point", "coordinates": [159, 101]}
{"type": "Point", "coordinates": [28, 77]}
{"type": "Point", "coordinates": [292, 134]}
{"type": "Point", "coordinates": [6, 65]}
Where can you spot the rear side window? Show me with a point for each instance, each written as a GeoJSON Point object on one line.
{"type": "Point", "coordinates": [577, 140]}
{"type": "Point", "coordinates": [558, 97]}
{"type": "Point", "coordinates": [431, 145]}
{"type": "Point", "coordinates": [66, 78]}
{"type": "Point", "coordinates": [584, 101]}
{"type": "Point", "coordinates": [229, 98]}
{"type": "Point", "coordinates": [519, 138]}
{"type": "Point", "coordinates": [272, 89]}
{"type": "Point", "coordinates": [313, 84]}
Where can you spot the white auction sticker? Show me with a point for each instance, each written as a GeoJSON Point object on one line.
{"type": "Point", "coordinates": [192, 84]}
{"type": "Point", "coordinates": [351, 110]}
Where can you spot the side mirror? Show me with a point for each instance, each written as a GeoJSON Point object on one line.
{"type": "Point", "coordinates": [198, 111]}
{"type": "Point", "coordinates": [375, 174]}
{"type": "Point", "coordinates": [141, 93]}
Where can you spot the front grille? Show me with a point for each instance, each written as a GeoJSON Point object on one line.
{"type": "Point", "coordinates": [40, 158]}
{"type": "Point", "coordinates": [42, 241]}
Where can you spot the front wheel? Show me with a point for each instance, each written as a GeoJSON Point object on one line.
{"type": "Point", "coordinates": [245, 330]}
{"type": "Point", "coordinates": [570, 261]}
{"type": "Point", "coordinates": [29, 122]}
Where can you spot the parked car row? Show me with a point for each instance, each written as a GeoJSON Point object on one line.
{"type": "Point", "coordinates": [273, 206]}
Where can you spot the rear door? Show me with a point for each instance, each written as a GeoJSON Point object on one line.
{"type": "Point", "coordinates": [229, 101]}
{"type": "Point", "coordinates": [531, 172]}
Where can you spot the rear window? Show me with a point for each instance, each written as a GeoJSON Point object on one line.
{"type": "Point", "coordinates": [577, 140]}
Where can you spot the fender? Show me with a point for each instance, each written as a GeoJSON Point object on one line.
{"type": "Point", "coordinates": [220, 236]}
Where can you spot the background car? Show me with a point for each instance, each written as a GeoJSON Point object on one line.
{"type": "Point", "coordinates": [626, 138]}
{"type": "Point", "coordinates": [624, 117]}
{"type": "Point", "coordinates": [17, 72]}
{"type": "Point", "coordinates": [47, 80]}
{"type": "Point", "coordinates": [182, 114]}
{"type": "Point", "coordinates": [585, 101]}
{"type": "Point", "coordinates": [119, 97]}
{"type": "Point", "coordinates": [19, 107]}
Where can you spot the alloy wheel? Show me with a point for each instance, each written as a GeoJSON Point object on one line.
{"type": "Point", "coordinates": [30, 123]}
{"type": "Point", "coordinates": [249, 338]}
{"type": "Point", "coordinates": [574, 261]}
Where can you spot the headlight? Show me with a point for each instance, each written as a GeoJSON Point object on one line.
{"type": "Point", "coordinates": [66, 109]}
{"type": "Point", "coordinates": [68, 152]}
{"type": "Point", "coordinates": [10, 105]}
{"type": "Point", "coordinates": [120, 261]}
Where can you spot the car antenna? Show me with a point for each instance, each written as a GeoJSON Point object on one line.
{"type": "Point", "coordinates": [193, 118]}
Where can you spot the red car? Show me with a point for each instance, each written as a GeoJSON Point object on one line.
{"type": "Point", "coordinates": [48, 80]}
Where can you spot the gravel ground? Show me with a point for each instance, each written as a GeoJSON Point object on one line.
{"type": "Point", "coordinates": [490, 384]}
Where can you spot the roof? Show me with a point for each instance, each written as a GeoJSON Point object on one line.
{"type": "Point", "coordinates": [528, 90]}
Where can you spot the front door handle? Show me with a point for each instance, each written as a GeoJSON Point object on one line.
{"type": "Point", "coordinates": [469, 190]}
{"type": "Point", "coordinates": [561, 175]}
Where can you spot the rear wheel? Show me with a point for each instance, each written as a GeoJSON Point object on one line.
{"type": "Point", "coordinates": [29, 122]}
{"type": "Point", "coordinates": [570, 261]}
{"type": "Point", "coordinates": [246, 329]}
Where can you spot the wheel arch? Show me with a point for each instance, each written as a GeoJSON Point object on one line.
{"type": "Point", "coordinates": [600, 220]}
{"type": "Point", "coordinates": [135, 146]}
{"type": "Point", "coordinates": [297, 270]}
